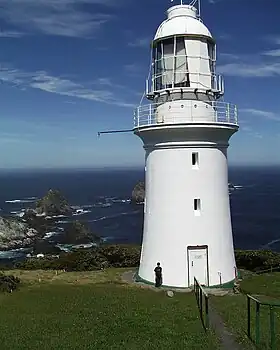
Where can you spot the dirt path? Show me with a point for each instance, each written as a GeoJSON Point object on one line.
{"type": "Point", "coordinates": [217, 324]}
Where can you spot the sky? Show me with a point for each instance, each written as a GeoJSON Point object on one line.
{"type": "Point", "coordinates": [71, 68]}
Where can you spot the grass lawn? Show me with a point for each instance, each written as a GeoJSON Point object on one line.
{"type": "Point", "coordinates": [266, 284]}
{"type": "Point", "coordinates": [87, 311]}
{"type": "Point", "coordinates": [233, 309]}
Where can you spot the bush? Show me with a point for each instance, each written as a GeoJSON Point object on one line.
{"type": "Point", "coordinates": [257, 260]}
{"type": "Point", "coordinates": [87, 260]}
{"type": "Point", "coordinates": [8, 283]}
{"type": "Point", "coordinates": [121, 256]}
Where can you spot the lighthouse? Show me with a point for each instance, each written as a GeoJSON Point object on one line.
{"type": "Point", "coordinates": [185, 129]}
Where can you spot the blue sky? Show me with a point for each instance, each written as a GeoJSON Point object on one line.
{"type": "Point", "coordinates": [70, 68]}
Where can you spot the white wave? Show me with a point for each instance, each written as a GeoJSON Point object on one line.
{"type": "Point", "coordinates": [65, 247]}
{"type": "Point", "coordinates": [121, 200]}
{"type": "Point", "coordinates": [267, 245]}
{"type": "Point", "coordinates": [238, 187]}
{"type": "Point", "coordinates": [102, 205]}
{"type": "Point", "coordinates": [23, 200]}
{"type": "Point", "coordinates": [51, 234]}
{"type": "Point", "coordinates": [114, 216]}
{"type": "Point", "coordinates": [87, 245]}
{"type": "Point", "coordinates": [68, 247]}
{"type": "Point", "coordinates": [18, 213]}
{"type": "Point", "coordinates": [106, 239]}
{"type": "Point", "coordinates": [87, 206]}
{"type": "Point", "coordinates": [14, 253]}
{"type": "Point", "coordinates": [62, 222]}
{"type": "Point", "coordinates": [81, 212]}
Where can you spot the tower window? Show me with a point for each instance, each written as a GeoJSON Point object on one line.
{"type": "Point", "coordinates": [197, 206]}
{"type": "Point", "coordinates": [195, 159]}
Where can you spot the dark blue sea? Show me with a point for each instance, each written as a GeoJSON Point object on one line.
{"type": "Point", "coordinates": [105, 194]}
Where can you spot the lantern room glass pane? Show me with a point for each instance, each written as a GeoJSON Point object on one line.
{"type": "Point", "coordinates": [181, 64]}
{"type": "Point", "coordinates": [212, 60]}
{"type": "Point", "coordinates": [158, 68]}
{"type": "Point", "coordinates": [168, 62]}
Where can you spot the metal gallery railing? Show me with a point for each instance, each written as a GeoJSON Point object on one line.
{"type": "Point", "coordinates": [202, 300]}
{"type": "Point", "coordinates": [192, 112]}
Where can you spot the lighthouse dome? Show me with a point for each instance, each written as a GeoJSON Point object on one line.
{"type": "Point", "coordinates": [182, 20]}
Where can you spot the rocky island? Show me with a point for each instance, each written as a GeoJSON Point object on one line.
{"type": "Point", "coordinates": [138, 193]}
{"type": "Point", "coordinates": [35, 227]}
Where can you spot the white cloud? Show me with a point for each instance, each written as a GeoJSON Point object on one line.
{"type": "Point", "coordinates": [224, 36]}
{"type": "Point", "coordinates": [10, 34]}
{"type": "Point", "coordinates": [253, 65]}
{"type": "Point", "coordinates": [108, 82]}
{"type": "Point", "coordinates": [140, 42]}
{"type": "Point", "coordinates": [273, 53]}
{"type": "Point", "coordinates": [275, 39]}
{"type": "Point", "coordinates": [249, 130]}
{"type": "Point", "coordinates": [42, 81]}
{"type": "Point", "coordinates": [133, 69]}
{"type": "Point", "coordinates": [229, 56]}
{"type": "Point", "coordinates": [213, 1]}
{"type": "Point", "coordinates": [55, 17]}
{"type": "Point", "coordinates": [247, 70]}
{"type": "Point", "coordinates": [261, 113]}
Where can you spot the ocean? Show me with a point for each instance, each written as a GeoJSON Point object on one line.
{"type": "Point", "coordinates": [105, 196]}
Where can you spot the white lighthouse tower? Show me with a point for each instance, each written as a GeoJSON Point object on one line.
{"type": "Point", "coordinates": [185, 131]}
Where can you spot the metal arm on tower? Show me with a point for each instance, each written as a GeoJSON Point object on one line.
{"type": "Point", "coordinates": [113, 131]}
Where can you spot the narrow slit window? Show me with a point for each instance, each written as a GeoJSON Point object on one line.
{"type": "Point", "coordinates": [195, 159]}
{"type": "Point", "coordinates": [197, 206]}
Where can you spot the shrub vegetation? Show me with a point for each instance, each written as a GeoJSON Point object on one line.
{"type": "Point", "coordinates": [8, 283]}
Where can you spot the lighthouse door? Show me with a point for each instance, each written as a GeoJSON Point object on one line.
{"type": "Point", "coordinates": [198, 265]}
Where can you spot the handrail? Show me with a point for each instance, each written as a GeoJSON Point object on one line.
{"type": "Point", "coordinates": [199, 294]}
{"type": "Point", "coordinates": [271, 305]}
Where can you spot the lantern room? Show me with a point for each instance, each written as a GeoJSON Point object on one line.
{"type": "Point", "coordinates": [183, 56]}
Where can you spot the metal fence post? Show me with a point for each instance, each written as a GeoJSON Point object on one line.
{"type": "Point", "coordinates": [257, 324]}
{"type": "Point", "coordinates": [200, 302]}
{"type": "Point", "coordinates": [272, 328]}
{"type": "Point", "coordinates": [206, 312]}
{"type": "Point", "coordinates": [249, 316]}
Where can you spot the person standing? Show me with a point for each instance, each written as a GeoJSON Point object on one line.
{"type": "Point", "coordinates": [158, 275]}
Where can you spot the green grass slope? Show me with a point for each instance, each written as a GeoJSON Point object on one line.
{"type": "Point", "coordinates": [97, 311]}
